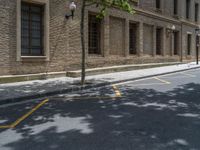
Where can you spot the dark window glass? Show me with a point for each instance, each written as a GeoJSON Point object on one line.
{"type": "Point", "coordinates": [158, 41]}
{"type": "Point", "coordinates": [196, 12]}
{"type": "Point", "coordinates": [32, 29]}
{"type": "Point", "coordinates": [94, 35]}
{"type": "Point", "coordinates": [175, 7]}
{"type": "Point", "coordinates": [189, 37]}
{"type": "Point", "coordinates": [158, 4]}
{"type": "Point", "coordinates": [176, 42]}
{"type": "Point", "coordinates": [132, 38]}
{"type": "Point", "coordinates": [187, 9]}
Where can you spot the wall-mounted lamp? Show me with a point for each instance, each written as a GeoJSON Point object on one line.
{"type": "Point", "coordinates": [72, 8]}
{"type": "Point", "coordinates": [171, 30]}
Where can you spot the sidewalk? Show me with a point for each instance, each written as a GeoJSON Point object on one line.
{"type": "Point", "coordinates": [15, 92]}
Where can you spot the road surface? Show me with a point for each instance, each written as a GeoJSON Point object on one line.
{"type": "Point", "coordinates": [159, 113]}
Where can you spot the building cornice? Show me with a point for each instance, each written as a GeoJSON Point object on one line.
{"type": "Point", "coordinates": [164, 18]}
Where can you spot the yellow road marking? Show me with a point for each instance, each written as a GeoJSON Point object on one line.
{"type": "Point", "coordinates": [117, 92]}
{"type": "Point", "coordinates": [187, 74]}
{"type": "Point", "coordinates": [14, 124]}
{"type": "Point", "coordinates": [161, 80]}
{"type": "Point", "coordinates": [5, 127]}
{"type": "Point", "coordinates": [28, 114]}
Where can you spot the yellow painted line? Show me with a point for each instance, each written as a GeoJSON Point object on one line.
{"type": "Point", "coordinates": [14, 124]}
{"type": "Point", "coordinates": [161, 80]}
{"type": "Point", "coordinates": [29, 113]}
{"type": "Point", "coordinates": [5, 127]}
{"type": "Point", "coordinates": [117, 92]}
{"type": "Point", "coordinates": [187, 74]}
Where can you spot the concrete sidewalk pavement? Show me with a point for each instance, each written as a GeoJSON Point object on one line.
{"type": "Point", "coordinates": [16, 92]}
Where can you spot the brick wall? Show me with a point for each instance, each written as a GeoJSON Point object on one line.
{"type": "Point", "coordinates": [148, 40]}
{"type": "Point", "coordinates": [117, 36]}
{"type": "Point", "coordinates": [64, 38]}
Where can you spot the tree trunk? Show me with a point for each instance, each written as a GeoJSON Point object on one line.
{"type": "Point", "coordinates": [83, 43]}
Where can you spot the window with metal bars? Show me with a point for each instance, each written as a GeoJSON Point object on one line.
{"type": "Point", "coordinates": [94, 34]}
{"type": "Point", "coordinates": [196, 12]}
{"type": "Point", "coordinates": [132, 38]}
{"type": "Point", "coordinates": [189, 38]}
{"type": "Point", "coordinates": [187, 9]}
{"type": "Point", "coordinates": [158, 4]}
{"type": "Point", "coordinates": [158, 41]}
{"type": "Point", "coordinates": [32, 29]}
{"type": "Point", "coordinates": [176, 40]}
{"type": "Point", "coordinates": [175, 7]}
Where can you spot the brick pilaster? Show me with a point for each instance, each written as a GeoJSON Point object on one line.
{"type": "Point", "coordinates": [141, 39]}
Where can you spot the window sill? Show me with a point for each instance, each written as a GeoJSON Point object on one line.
{"type": "Point", "coordinates": [33, 58]}
{"type": "Point", "coordinates": [188, 19]}
{"type": "Point", "coordinates": [176, 16]}
{"type": "Point", "coordinates": [133, 55]}
{"type": "Point", "coordinates": [189, 56]}
{"type": "Point", "coordinates": [95, 55]}
{"type": "Point", "coordinates": [158, 55]}
{"type": "Point", "coordinates": [158, 10]}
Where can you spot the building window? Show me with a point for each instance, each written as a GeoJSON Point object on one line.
{"type": "Point", "coordinates": [175, 7]}
{"type": "Point", "coordinates": [176, 42]}
{"type": "Point", "coordinates": [133, 38]}
{"type": "Point", "coordinates": [158, 6]}
{"type": "Point", "coordinates": [32, 27]}
{"type": "Point", "coordinates": [189, 38]}
{"type": "Point", "coordinates": [158, 41]}
{"type": "Point", "coordinates": [94, 35]}
{"type": "Point", "coordinates": [187, 9]}
{"type": "Point", "coordinates": [196, 12]}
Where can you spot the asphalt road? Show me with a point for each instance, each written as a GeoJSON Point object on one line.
{"type": "Point", "coordinates": [161, 113]}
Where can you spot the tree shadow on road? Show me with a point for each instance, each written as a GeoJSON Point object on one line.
{"type": "Point", "coordinates": [145, 119]}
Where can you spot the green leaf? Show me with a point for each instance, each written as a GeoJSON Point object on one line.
{"type": "Point", "coordinates": [104, 4]}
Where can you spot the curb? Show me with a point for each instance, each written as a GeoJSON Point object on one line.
{"type": "Point", "coordinates": [79, 88]}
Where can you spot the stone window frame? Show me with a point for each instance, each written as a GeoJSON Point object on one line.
{"type": "Point", "coordinates": [19, 57]}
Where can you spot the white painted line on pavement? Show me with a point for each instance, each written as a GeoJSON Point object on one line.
{"type": "Point", "coordinates": [187, 74]}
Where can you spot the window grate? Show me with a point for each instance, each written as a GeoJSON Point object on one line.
{"type": "Point", "coordinates": [189, 38]}
{"type": "Point", "coordinates": [196, 12]}
{"type": "Point", "coordinates": [94, 35]}
{"type": "Point", "coordinates": [32, 29]}
{"type": "Point", "coordinates": [133, 38]}
{"type": "Point", "coordinates": [158, 41]}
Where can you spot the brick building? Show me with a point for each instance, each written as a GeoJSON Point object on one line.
{"type": "Point", "coordinates": [35, 37]}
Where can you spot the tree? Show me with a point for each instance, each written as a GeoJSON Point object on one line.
{"type": "Point", "coordinates": [103, 5]}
